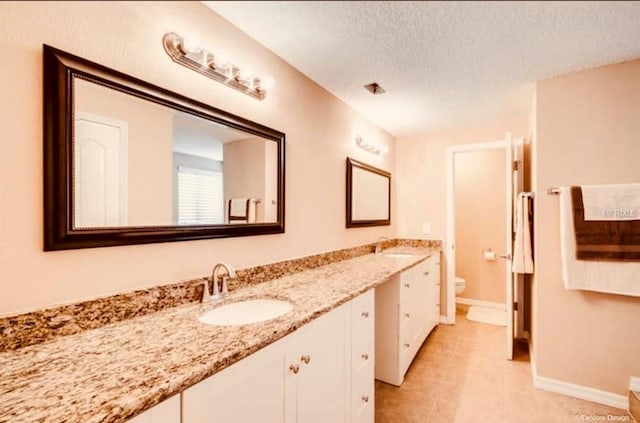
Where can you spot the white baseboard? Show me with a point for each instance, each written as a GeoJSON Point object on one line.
{"type": "Point", "coordinates": [444, 320]}
{"type": "Point", "coordinates": [577, 391]}
{"type": "Point", "coordinates": [582, 392]}
{"type": "Point", "coordinates": [481, 303]}
{"type": "Point", "coordinates": [634, 384]}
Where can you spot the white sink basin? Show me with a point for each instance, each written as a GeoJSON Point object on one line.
{"type": "Point", "coordinates": [397, 255]}
{"type": "Point", "coordinates": [246, 312]}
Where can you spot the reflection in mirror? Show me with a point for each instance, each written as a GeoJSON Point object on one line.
{"type": "Point", "coordinates": [368, 195]}
{"type": "Point", "coordinates": [140, 163]}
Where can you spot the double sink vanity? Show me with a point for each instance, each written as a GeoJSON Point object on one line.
{"type": "Point", "coordinates": [318, 339]}
{"type": "Point", "coordinates": [296, 341]}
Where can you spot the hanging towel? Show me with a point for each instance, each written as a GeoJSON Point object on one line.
{"type": "Point", "coordinates": [242, 210]}
{"type": "Point", "coordinates": [615, 277]}
{"type": "Point", "coordinates": [611, 202]}
{"type": "Point", "coordinates": [522, 259]}
{"type": "Point", "coordinates": [606, 239]}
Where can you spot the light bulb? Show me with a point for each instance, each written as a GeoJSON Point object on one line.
{"type": "Point", "coordinates": [190, 44]}
{"type": "Point", "coordinates": [245, 77]}
{"type": "Point", "coordinates": [221, 61]}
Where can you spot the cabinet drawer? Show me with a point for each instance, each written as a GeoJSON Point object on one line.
{"type": "Point", "coordinates": [362, 359]}
{"type": "Point", "coordinates": [363, 309]}
{"type": "Point", "coordinates": [363, 401]}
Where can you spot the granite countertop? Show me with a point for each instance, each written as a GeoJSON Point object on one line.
{"type": "Point", "coordinates": [117, 371]}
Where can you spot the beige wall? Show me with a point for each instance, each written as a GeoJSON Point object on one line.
{"type": "Point", "coordinates": [127, 36]}
{"type": "Point", "coordinates": [244, 165]}
{"type": "Point", "coordinates": [150, 144]}
{"type": "Point", "coordinates": [421, 176]}
{"type": "Point", "coordinates": [588, 130]}
{"type": "Point", "coordinates": [480, 215]}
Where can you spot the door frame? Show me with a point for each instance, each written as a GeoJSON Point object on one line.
{"type": "Point", "coordinates": [512, 149]}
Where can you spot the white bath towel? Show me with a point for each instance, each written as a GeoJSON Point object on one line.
{"type": "Point", "coordinates": [611, 202]}
{"type": "Point", "coordinates": [522, 257]}
{"type": "Point", "coordinates": [615, 277]}
{"type": "Point", "coordinates": [238, 207]}
{"type": "Point", "coordinates": [241, 212]}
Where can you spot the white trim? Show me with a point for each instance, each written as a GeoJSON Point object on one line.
{"type": "Point", "coordinates": [450, 256]}
{"type": "Point", "coordinates": [445, 320]}
{"type": "Point", "coordinates": [582, 392]}
{"type": "Point", "coordinates": [634, 384]}
{"type": "Point", "coordinates": [481, 303]}
{"type": "Point", "coordinates": [576, 391]}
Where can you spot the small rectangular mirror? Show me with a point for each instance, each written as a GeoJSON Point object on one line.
{"type": "Point", "coordinates": [368, 195]}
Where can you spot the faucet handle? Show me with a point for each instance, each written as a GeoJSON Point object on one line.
{"type": "Point", "coordinates": [225, 284]}
{"type": "Point", "coordinates": [205, 290]}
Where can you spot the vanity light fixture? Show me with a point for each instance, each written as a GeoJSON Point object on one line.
{"type": "Point", "coordinates": [371, 147]}
{"type": "Point", "coordinates": [189, 53]}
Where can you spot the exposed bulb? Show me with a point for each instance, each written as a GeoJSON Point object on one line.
{"type": "Point", "coordinates": [220, 62]}
{"type": "Point", "coordinates": [190, 44]}
{"type": "Point", "coordinates": [245, 77]}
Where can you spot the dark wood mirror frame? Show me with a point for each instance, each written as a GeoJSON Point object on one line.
{"type": "Point", "coordinates": [351, 223]}
{"type": "Point", "coordinates": [59, 70]}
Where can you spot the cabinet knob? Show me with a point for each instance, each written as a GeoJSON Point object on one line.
{"type": "Point", "coordinates": [438, 264]}
{"type": "Point", "coordinates": [365, 398]}
{"type": "Point", "coordinates": [294, 368]}
{"type": "Point", "coordinates": [407, 315]}
{"type": "Point", "coordinates": [438, 305]}
{"type": "Point", "coordinates": [438, 284]}
{"type": "Point", "coordinates": [426, 273]}
{"type": "Point", "coordinates": [407, 345]}
{"type": "Point", "coordinates": [365, 356]}
{"type": "Point", "coordinates": [407, 285]}
{"type": "Point", "coordinates": [305, 358]}
{"type": "Point", "coordinates": [365, 314]}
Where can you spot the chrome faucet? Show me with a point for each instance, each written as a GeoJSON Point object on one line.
{"type": "Point", "coordinates": [379, 244]}
{"type": "Point", "coordinates": [220, 288]}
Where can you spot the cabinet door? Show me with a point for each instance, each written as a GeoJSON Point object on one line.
{"type": "Point", "coordinates": [167, 411]}
{"type": "Point", "coordinates": [319, 351]}
{"type": "Point", "coordinates": [252, 390]}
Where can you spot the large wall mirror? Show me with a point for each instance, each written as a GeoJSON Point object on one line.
{"type": "Point", "coordinates": [368, 195]}
{"type": "Point", "coordinates": [127, 162]}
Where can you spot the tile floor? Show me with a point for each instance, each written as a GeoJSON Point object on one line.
{"type": "Point", "coordinates": [461, 375]}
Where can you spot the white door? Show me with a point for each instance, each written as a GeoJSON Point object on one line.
{"type": "Point", "coordinates": [518, 279]}
{"type": "Point", "coordinates": [509, 276]}
{"type": "Point", "coordinates": [320, 393]}
{"type": "Point", "coordinates": [514, 281]}
{"type": "Point", "coordinates": [100, 172]}
{"type": "Point", "coordinates": [251, 390]}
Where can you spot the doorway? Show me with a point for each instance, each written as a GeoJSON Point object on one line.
{"type": "Point", "coordinates": [487, 182]}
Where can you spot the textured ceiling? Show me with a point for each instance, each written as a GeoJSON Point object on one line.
{"type": "Point", "coordinates": [441, 63]}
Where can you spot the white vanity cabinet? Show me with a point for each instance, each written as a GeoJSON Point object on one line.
{"type": "Point", "coordinates": [407, 310]}
{"type": "Point", "coordinates": [167, 411]}
{"type": "Point", "coordinates": [310, 376]}
{"type": "Point", "coordinates": [362, 359]}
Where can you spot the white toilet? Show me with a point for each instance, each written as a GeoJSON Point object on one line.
{"type": "Point", "coordinates": [460, 284]}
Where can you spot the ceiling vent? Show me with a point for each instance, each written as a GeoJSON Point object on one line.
{"type": "Point", "coordinates": [374, 88]}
